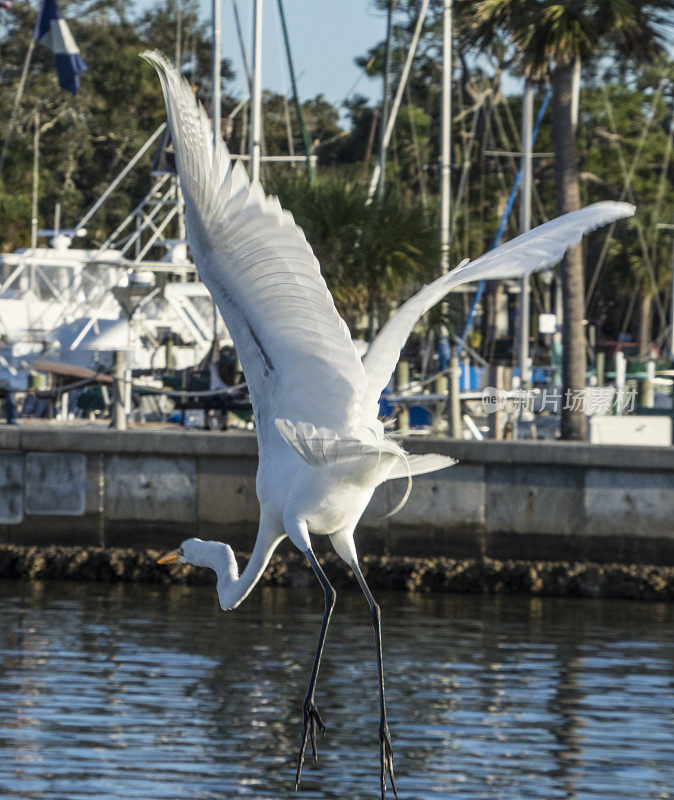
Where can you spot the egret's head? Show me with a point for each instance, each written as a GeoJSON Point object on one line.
{"type": "Point", "coordinates": [214, 555]}
{"type": "Point", "coordinates": [175, 556]}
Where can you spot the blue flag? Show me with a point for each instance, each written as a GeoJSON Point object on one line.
{"type": "Point", "coordinates": [52, 31]}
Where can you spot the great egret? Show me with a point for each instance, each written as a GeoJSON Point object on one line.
{"type": "Point", "coordinates": [322, 449]}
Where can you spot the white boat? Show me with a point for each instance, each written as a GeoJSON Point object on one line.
{"type": "Point", "coordinates": [139, 292]}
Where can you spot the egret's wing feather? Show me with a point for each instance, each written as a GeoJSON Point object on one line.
{"type": "Point", "coordinates": [295, 350]}
{"type": "Point", "coordinates": [535, 250]}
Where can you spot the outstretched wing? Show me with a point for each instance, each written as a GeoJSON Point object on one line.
{"type": "Point", "coordinates": [295, 349]}
{"type": "Point", "coordinates": [535, 250]}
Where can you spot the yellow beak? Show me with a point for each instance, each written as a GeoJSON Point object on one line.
{"type": "Point", "coordinates": [169, 558]}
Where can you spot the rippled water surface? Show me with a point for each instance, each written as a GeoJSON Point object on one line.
{"type": "Point", "coordinates": [153, 692]}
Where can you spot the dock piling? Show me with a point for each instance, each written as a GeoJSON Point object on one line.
{"type": "Point", "coordinates": [119, 392]}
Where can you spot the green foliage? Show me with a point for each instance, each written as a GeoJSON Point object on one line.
{"type": "Point", "coordinates": [371, 255]}
{"type": "Point", "coordinates": [86, 139]}
{"type": "Point", "coordinates": [282, 135]}
{"type": "Point", "coordinates": [547, 39]}
{"type": "Point", "coordinates": [621, 132]}
{"type": "Point", "coordinates": [546, 34]}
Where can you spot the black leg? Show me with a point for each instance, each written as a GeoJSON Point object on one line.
{"type": "Point", "coordinates": [385, 750]}
{"type": "Point", "coordinates": [311, 717]}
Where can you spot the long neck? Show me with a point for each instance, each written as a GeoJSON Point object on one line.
{"type": "Point", "coordinates": [232, 593]}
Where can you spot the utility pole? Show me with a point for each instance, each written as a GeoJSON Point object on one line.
{"type": "Point", "coordinates": [256, 99]}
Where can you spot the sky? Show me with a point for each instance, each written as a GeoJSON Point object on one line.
{"type": "Point", "coordinates": [325, 37]}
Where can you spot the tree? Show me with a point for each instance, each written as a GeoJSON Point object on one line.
{"type": "Point", "coordinates": [281, 130]}
{"type": "Point", "coordinates": [371, 255]}
{"type": "Point", "coordinates": [87, 138]}
{"type": "Point", "coordinates": [550, 39]}
{"type": "Point", "coordinates": [625, 127]}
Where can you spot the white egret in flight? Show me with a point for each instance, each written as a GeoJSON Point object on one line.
{"type": "Point", "coordinates": [322, 448]}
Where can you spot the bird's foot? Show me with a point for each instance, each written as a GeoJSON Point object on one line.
{"type": "Point", "coordinates": [312, 720]}
{"type": "Point", "coordinates": [386, 760]}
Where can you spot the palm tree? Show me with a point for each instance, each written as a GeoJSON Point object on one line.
{"type": "Point", "coordinates": [550, 40]}
{"type": "Point", "coordinates": [372, 255]}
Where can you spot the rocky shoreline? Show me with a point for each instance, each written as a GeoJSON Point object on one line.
{"type": "Point", "coordinates": [481, 576]}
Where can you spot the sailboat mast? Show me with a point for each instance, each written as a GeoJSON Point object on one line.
{"type": "Point", "coordinates": [385, 101]}
{"type": "Point", "coordinates": [525, 225]}
{"type": "Point", "coordinates": [389, 124]}
{"type": "Point", "coordinates": [36, 179]}
{"type": "Point", "coordinates": [216, 62]}
{"type": "Point", "coordinates": [256, 99]}
{"type": "Point", "coordinates": [296, 98]}
{"type": "Point", "coordinates": [446, 133]}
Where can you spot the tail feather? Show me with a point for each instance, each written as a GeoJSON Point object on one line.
{"type": "Point", "coordinates": [421, 465]}
{"type": "Point", "coordinates": [386, 460]}
{"type": "Point", "coordinates": [415, 465]}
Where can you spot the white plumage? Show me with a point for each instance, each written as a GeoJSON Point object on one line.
{"type": "Point", "coordinates": [322, 449]}
{"type": "Point", "coordinates": [538, 249]}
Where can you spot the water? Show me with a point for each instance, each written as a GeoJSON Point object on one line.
{"type": "Point", "coordinates": [152, 692]}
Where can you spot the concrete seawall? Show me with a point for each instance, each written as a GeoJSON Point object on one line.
{"type": "Point", "coordinates": [95, 487]}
